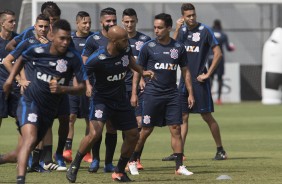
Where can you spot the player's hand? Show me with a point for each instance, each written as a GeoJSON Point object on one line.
{"type": "Point", "coordinates": [191, 101]}
{"type": "Point", "coordinates": [231, 46]}
{"type": "Point", "coordinates": [142, 84]}
{"type": "Point", "coordinates": [88, 90]}
{"type": "Point", "coordinates": [54, 86]}
{"type": "Point", "coordinates": [202, 77]}
{"type": "Point", "coordinates": [149, 73]}
{"type": "Point", "coordinates": [24, 83]}
{"type": "Point", "coordinates": [134, 100]}
{"type": "Point", "coordinates": [179, 23]}
{"type": "Point", "coordinates": [43, 40]}
{"type": "Point", "coordinates": [7, 87]}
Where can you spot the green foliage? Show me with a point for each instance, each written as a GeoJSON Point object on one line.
{"type": "Point", "coordinates": [251, 135]}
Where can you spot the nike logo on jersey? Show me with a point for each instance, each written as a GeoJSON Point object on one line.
{"type": "Point", "coordinates": [192, 48]}
{"type": "Point", "coordinates": [165, 66]}
{"type": "Point", "coordinates": [47, 78]}
{"type": "Point", "coordinates": [117, 77]}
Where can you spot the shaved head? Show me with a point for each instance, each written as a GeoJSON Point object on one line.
{"type": "Point", "coordinates": [116, 33]}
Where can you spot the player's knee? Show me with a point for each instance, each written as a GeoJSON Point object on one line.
{"type": "Point", "coordinates": [132, 135]}
{"type": "Point", "coordinates": [72, 118]}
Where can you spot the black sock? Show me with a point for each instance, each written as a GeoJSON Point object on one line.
{"type": "Point", "coordinates": [134, 156]}
{"type": "Point", "coordinates": [61, 145]}
{"type": "Point", "coordinates": [47, 154]}
{"type": "Point", "coordinates": [96, 149]}
{"type": "Point", "coordinates": [68, 144]}
{"type": "Point", "coordinates": [36, 157]}
{"type": "Point", "coordinates": [220, 148]}
{"type": "Point", "coordinates": [20, 180]}
{"type": "Point", "coordinates": [122, 162]}
{"type": "Point", "coordinates": [111, 142]}
{"type": "Point", "coordinates": [77, 159]}
{"type": "Point", "coordinates": [140, 153]}
{"type": "Point", "coordinates": [178, 160]}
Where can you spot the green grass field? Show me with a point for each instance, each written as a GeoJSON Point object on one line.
{"type": "Point", "coordinates": [251, 135]}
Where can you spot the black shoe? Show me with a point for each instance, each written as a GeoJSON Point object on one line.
{"type": "Point", "coordinates": [171, 157]}
{"type": "Point", "coordinates": [37, 168]}
{"type": "Point", "coordinates": [220, 155]}
{"type": "Point", "coordinates": [72, 173]}
{"type": "Point", "coordinates": [120, 177]}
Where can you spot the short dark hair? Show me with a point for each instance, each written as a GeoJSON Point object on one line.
{"type": "Point", "coordinates": [166, 18]}
{"type": "Point", "coordinates": [129, 12]}
{"type": "Point", "coordinates": [4, 13]}
{"type": "Point", "coordinates": [108, 11]}
{"type": "Point", "coordinates": [61, 24]}
{"type": "Point", "coordinates": [42, 17]}
{"type": "Point", "coordinates": [186, 7]}
{"type": "Point", "coordinates": [52, 12]}
{"type": "Point", "coordinates": [217, 24]}
{"type": "Point", "coordinates": [82, 14]}
{"type": "Point", "coordinates": [50, 4]}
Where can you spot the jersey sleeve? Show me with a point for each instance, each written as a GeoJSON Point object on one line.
{"type": "Point", "coordinates": [89, 47]}
{"type": "Point", "coordinates": [18, 38]}
{"type": "Point", "coordinates": [22, 46]}
{"type": "Point", "coordinates": [183, 57]}
{"type": "Point", "coordinates": [211, 38]}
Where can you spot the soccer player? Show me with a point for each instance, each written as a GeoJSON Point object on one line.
{"type": "Point", "coordinates": [136, 41]}
{"type": "Point", "coordinates": [161, 105]}
{"type": "Point", "coordinates": [198, 40]}
{"type": "Point", "coordinates": [222, 39]}
{"type": "Point", "coordinates": [45, 9]}
{"type": "Point", "coordinates": [49, 67]}
{"type": "Point", "coordinates": [8, 104]}
{"type": "Point", "coordinates": [100, 39]}
{"type": "Point", "coordinates": [79, 105]}
{"type": "Point", "coordinates": [109, 65]}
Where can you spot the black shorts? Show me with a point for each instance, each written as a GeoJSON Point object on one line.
{"type": "Point", "coordinates": [161, 110]}
{"type": "Point", "coordinates": [64, 107]}
{"type": "Point", "coordinates": [8, 107]}
{"type": "Point", "coordinates": [79, 105]}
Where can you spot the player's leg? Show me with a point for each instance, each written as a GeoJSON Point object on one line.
{"type": "Point", "coordinates": [67, 154]}
{"type": "Point", "coordinates": [95, 131]}
{"type": "Point", "coordinates": [214, 128]}
{"type": "Point", "coordinates": [110, 142]}
{"type": "Point", "coordinates": [220, 83]}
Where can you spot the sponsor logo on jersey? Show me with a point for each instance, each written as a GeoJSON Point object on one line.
{"type": "Point", "coordinates": [166, 53]}
{"type": "Point", "coordinates": [125, 60]}
{"type": "Point", "coordinates": [32, 117]}
{"type": "Point", "coordinates": [31, 40]}
{"type": "Point", "coordinates": [177, 45]}
{"type": "Point", "coordinates": [98, 114]}
{"type": "Point", "coordinates": [118, 63]}
{"type": "Point", "coordinates": [152, 44]}
{"type": "Point", "coordinates": [196, 37]}
{"type": "Point", "coordinates": [139, 45]}
{"type": "Point", "coordinates": [52, 63]}
{"type": "Point", "coordinates": [165, 66]}
{"type": "Point", "coordinates": [143, 37]}
{"type": "Point", "coordinates": [127, 49]}
{"type": "Point", "coordinates": [69, 54]}
{"type": "Point", "coordinates": [147, 119]}
{"type": "Point", "coordinates": [47, 78]}
{"type": "Point", "coordinates": [96, 37]}
{"type": "Point", "coordinates": [201, 27]}
{"type": "Point", "coordinates": [81, 44]}
{"type": "Point", "coordinates": [1, 61]}
{"type": "Point", "coordinates": [116, 77]}
{"type": "Point", "coordinates": [174, 53]}
{"type": "Point", "coordinates": [102, 56]}
{"type": "Point", "coordinates": [184, 29]}
{"type": "Point", "coordinates": [192, 48]}
{"type": "Point", "coordinates": [217, 34]}
{"type": "Point", "coordinates": [132, 46]}
{"type": "Point", "coordinates": [38, 50]}
{"type": "Point", "coordinates": [61, 65]}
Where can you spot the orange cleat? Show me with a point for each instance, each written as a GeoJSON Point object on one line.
{"type": "Point", "coordinates": [87, 158]}
{"type": "Point", "coordinates": [139, 165]}
{"type": "Point", "coordinates": [67, 154]}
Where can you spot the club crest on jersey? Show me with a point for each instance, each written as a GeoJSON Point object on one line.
{"type": "Point", "coordinates": [147, 119]}
{"type": "Point", "coordinates": [139, 45]}
{"type": "Point", "coordinates": [196, 37]}
{"type": "Point", "coordinates": [125, 60]}
{"type": "Point", "coordinates": [98, 114]}
{"type": "Point", "coordinates": [38, 50]}
{"type": "Point", "coordinates": [61, 65]}
{"type": "Point", "coordinates": [32, 117]}
{"type": "Point", "coordinates": [152, 44]}
{"type": "Point", "coordinates": [96, 37]}
{"type": "Point", "coordinates": [174, 53]}
{"type": "Point", "coordinates": [102, 56]}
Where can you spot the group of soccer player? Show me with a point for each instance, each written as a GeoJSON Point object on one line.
{"type": "Point", "coordinates": [116, 77]}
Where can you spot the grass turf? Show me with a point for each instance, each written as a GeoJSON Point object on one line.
{"type": "Point", "coordinates": [251, 134]}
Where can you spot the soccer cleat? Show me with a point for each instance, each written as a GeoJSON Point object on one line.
{"type": "Point", "coordinates": [132, 167]}
{"type": "Point", "coordinates": [94, 166]}
{"type": "Point", "coordinates": [183, 171]}
{"type": "Point", "coordinates": [109, 168]}
{"type": "Point", "coordinates": [37, 168]}
{"type": "Point", "coordinates": [54, 167]}
{"type": "Point", "coordinates": [72, 173]}
{"type": "Point", "coordinates": [171, 157]}
{"type": "Point", "coordinates": [29, 163]}
{"type": "Point", "coordinates": [120, 177]}
{"type": "Point", "coordinates": [220, 155]}
{"type": "Point", "coordinates": [67, 154]}
{"type": "Point", "coordinates": [60, 161]}
{"type": "Point", "coordinates": [184, 158]}
{"type": "Point", "coordinates": [218, 102]}
{"type": "Point", "coordinates": [87, 158]}
{"type": "Point", "coordinates": [139, 165]}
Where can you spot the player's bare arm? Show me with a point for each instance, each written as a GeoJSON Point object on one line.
{"type": "Point", "coordinates": [187, 78]}
{"type": "Point", "coordinates": [11, 45]}
{"type": "Point", "coordinates": [179, 23]}
{"type": "Point", "coordinates": [74, 90]}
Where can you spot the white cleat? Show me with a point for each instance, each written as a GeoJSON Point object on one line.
{"type": "Point", "coordinates": [132, 166]}
{"type": "Point", "coordinates": [54, 167]}
{"type": "Point", "coordinates": [183, 171]}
